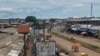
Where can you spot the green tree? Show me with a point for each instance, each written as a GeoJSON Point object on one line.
{"type": "Point", "coordinates": [34, 21]}
{"type": "Point", "coordinates": [36, 24]}
{"type": "Point", "coordinates": [30, 19]}
{"type": "Point", "coordinates": [52, 20]}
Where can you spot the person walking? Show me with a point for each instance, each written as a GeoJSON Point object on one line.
{"type": "Point", "coordinates": [76, 46]}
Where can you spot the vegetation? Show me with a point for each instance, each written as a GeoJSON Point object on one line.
{"type": "Point", "coordinates": [30, 19]}
{"type": "Point", "coordinates": [89, 45]}
{"type": "Point", "coordinates": [52, 20]}
{"type": "Point", "coordinates": [48, 30]}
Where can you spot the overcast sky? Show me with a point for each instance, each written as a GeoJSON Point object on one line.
{"type": "Point", "coordinates": [48, 8]}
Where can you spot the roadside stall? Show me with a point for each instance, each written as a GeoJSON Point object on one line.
{"type": "Point", "coordinates": [84, 34]}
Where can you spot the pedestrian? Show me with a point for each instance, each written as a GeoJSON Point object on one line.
{"type": "Point", "coordinates": [76, 46]}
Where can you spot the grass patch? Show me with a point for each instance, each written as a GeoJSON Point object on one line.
{"type": "Point", "coordinates": [89, 45]}
{"type": "Point", "coordinates": [48, 30]}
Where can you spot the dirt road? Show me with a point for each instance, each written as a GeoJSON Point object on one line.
{"type": "Point", "coordinates": [79, 37]}
{"type": "Point", "coordinates": [9, 42]}
{"type": "Point", "coordinates": [66, 45]}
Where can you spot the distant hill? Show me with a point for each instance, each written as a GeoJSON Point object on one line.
{"type": "Point", "coordinates": [10, 20]}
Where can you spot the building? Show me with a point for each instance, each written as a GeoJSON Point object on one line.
{"type": "Point", "coordinates": [84, 20]}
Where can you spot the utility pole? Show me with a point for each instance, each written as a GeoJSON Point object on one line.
{"type": "Point", "coordinates": [34, 29]}
{"type": "Point", "coordinates": [91, 10]}
{"type": "Point", "coordinates": [24, 44]}
{"type": "Point", "coordinates": [44, 30]}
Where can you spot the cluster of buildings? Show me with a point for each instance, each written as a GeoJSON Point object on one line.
{"type": "Point", "coordinates": [91, 25]}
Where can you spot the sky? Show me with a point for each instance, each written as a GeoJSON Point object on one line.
{"type": "Point", "coordinates": [45, 9]}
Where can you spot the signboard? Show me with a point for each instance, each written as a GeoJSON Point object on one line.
{"type": "Point", "coordinates": [45, 48]}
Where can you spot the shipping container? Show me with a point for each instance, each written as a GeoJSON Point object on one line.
{"type": "Point", "coordinates": [23, 28]}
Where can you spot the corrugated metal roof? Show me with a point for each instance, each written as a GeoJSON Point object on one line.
{"type": "Point", "coordinates": [95, 19]}
{"type": "Point", "coordinates": [88, 26]}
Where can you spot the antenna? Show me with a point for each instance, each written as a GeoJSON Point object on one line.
{"type": "Point", "coordinates": [91, 10]}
